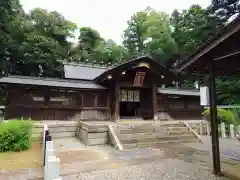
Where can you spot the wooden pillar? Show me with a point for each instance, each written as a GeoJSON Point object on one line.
{"type": "Point", "coordinates": [214, 123]}
{"type": "Point", "coordinates": [7, 111]}
{"type": "Point", "coordinates": [116, 102]}
{"type": "Point", "coordinates": [155, 104]}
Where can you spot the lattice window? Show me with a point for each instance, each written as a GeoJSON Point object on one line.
{"type": "Point", "coordinates": [61, 98]}
{"type": "Point", "coordinates": [129, 96]}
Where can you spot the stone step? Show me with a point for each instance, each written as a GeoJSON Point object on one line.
{"type": "Point", "coordinates": [179, 132]}
{"type": "Point", "coordinates": [63, 135]}
{"type": "Point", "coordinates": [62, 129]}
{"type": "Point", "coordinates": [140, 135]}
{"type": "Point", "coordinates": [156, 143]}
{"type": "Point", "coordinates": [143, 139]}
{"type": "Point", "coordinates": [176, 128]}
{"type": "Point", "coordinates": [173, 125]}
{"type": "Point", "coordinates": [139, 130]}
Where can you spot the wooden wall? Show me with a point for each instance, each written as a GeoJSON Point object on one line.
{"type": "Point", "coordinates": [52, 104]}
{"type": "Point", "coordinates": [180, 107]}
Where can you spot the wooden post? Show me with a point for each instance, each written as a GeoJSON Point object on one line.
{"type": "Point", "coordinates": [214, 123]}
{"type": "Point", "coordinates": [239, 129]}
{"type": "Point", "coordinates": [232, 135]}
{"type": "Point", "coordinates": [223, 130]}
{"type": "Point", "coordinates": [116, 94]}
{"type": "Point", "coordinates": [154, 96]}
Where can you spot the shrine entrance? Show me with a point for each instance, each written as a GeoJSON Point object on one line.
{"type": "Point", "coordinates": [136, 103]}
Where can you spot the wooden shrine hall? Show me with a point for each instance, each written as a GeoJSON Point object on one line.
{"type": "Point", "coordinates": [131, 90]}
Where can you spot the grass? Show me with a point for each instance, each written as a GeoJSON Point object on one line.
{"type": "Point", "coordinates": [31, 158]}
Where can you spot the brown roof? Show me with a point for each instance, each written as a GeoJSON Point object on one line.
{"type": "Point", "coordinates": [123, 66]}
{"type": "Point", "coordinates": [50, 82]}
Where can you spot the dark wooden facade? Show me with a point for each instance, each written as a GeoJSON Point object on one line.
{"type": "Point", "coordinates": [179, 107]}
{"type": "Point", "coordinates": [104, 101]}
{"type": "Point", "coordinates": [43, 103]}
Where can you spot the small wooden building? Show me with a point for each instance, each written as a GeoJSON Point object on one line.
{"type": "Point", "coordinates": [129, 90]}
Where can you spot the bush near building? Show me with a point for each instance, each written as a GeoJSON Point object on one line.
{"type": "Point", "coordinates": [15, 135]}
{"type": "Point", "coordinates": [228, 116]}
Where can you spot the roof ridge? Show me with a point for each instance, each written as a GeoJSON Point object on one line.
{"type": "Point", "coordinates": [48, 79]}
{"type": "Point", "coordinates": [88, 65]}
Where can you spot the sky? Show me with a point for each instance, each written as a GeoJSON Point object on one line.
{"type": "Point", "coordinates": [108, 17]}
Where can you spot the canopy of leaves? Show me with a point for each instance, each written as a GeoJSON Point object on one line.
{"type": "Point", "coordinates": [149, 32]}
{"type": "Point", "coordinates": [35, 43]}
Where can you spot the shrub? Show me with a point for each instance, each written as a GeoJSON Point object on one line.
{"type": "Point", "coordinates": [15, 135]}
{"type": "Point", "coordinates": [226, 116]}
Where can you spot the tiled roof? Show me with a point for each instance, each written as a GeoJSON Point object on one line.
{"type": "Point", "coordinates": [51, 82]}
{"type": "Point", "coordinates": [184, 92]}
{"type": "Point", "coordinates": [81, 71]}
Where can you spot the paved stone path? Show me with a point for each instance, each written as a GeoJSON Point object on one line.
{"type": "Point", "coordinates": [182, 161]}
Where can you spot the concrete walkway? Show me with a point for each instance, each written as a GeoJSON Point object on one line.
{"type": "Point", "coordinates": [173, 161]}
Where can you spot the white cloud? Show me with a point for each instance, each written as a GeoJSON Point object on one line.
{"type": "Point", "coordinates": [108, 17]}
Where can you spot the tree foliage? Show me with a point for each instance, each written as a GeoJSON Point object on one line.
{"type": "Point", "coordinates": [35, 43]}
{"type": "Point", "coordinates": [149, 32]}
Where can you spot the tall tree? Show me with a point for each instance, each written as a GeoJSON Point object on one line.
{"type": "Point", "coordinates": [192, 27]}
{"type": "Point", "coordinates": [11, 26]}
{"type": "Point", "coordinates": [149, 32]}
{"type": "Point", "coordinates": [93, 48]}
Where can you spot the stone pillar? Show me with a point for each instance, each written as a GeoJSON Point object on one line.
{"type": "Point", "coordinates": [232, 134]}
{"type": "Point", "coordinates": [53, 169]}
{"type": "Point", "coordinates": [208, 129]}
{"type": "Point", "coordinates": [223, 130]}
{"type": "Point", "coordinates": [201, 128]}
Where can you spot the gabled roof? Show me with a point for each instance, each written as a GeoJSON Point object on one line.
{"type": "Point", "coordinates": [129, 64]}
{"type": "Point", "coordinates": [82, 71]}
{"type": "Point", "coordinates": [50, 82]}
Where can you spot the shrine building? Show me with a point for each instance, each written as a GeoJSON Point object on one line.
{"type": "Point", "coordinates": [132, 90]}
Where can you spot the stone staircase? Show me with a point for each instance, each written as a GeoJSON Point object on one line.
{"type": "Point", "coordinates": [153, 135]}
{"type": "Point", "coordinates": [57, 130]}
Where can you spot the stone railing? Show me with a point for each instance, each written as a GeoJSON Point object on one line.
{"type": "Point", "coordinates": [92, 134]}
{"type": "Point", "coordinates": [113, 139]}
{"type": "Point", "coordinates": [51, 162]}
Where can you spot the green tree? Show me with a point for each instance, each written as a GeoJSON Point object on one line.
{"type": "Point", "coordinates": [225, 9]}
{"type": "Point", "coordinates": [192, 27]}
{"type": "Point", "coordinates": [149, 32]}
{"type": "Point", "coordinates": [12, 16]}
{"type": "Point", "coordinates": [94, 49]}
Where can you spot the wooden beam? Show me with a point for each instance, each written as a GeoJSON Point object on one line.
{"type": "Point", "coordinates": [227, 55]}
{"type": "Point", "coordinates": [206, 48]}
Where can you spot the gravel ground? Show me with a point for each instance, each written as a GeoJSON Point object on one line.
{"type": "Point", "coordinates": [167, 169]}
{"type": "Point", "coordinates": [229, 148]}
